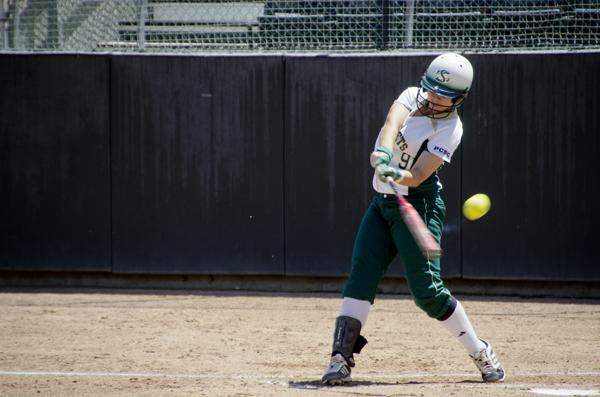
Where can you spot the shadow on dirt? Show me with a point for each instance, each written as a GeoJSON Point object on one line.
{"type": "Point", "coordinates": [316, 384]}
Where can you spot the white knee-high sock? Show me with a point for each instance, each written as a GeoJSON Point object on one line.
{"type": "Point", "coordinates": [459, 325]}
{"type": "Point", "coordinates": [356, 308]}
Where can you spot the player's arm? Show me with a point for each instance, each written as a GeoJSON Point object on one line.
{"type": "Point", "coordinates": [423, 168]}
{"type": "Point", "coordinates": [387, 136]}
{"type": "Point", "coordinates": [395, 119]}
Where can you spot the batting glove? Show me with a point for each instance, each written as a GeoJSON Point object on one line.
{"type": "Point", "coordinates": [385, 171]}
{"type": "Point", "coordinates": [381, 156]}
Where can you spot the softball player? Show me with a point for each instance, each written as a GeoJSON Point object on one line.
{"type": "Point", "coordinates": [421, 132]}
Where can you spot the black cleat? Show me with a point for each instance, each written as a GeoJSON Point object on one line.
{"type": "Point", "coordinates": [338, 371]}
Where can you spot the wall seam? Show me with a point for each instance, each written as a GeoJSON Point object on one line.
{"type": "Point", "coordinates": [110, 165]}
{"type": "Point", "coordinates": [283, 168]}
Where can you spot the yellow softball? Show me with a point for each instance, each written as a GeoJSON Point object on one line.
{"type": "Point", "coordinates": [476, 206]}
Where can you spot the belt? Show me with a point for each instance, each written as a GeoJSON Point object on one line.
{"type": "Point", "coordinates": [390, 196]}
{"type": "Point", "coordinates": [386, 195]}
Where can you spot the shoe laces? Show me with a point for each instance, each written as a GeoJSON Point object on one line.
{"type": "Point", "coordinates": [337, 359]}
{"type": "Point", "coordinates": [485, 361]}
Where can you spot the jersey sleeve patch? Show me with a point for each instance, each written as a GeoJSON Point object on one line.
{"type": "Point", "coordinates": [442, 152]}
{"type": "Point", "coordinates": [444, 143]}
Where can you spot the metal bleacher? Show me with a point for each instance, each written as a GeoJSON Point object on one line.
{"type": "Point", "coordinates": [209, 24]}
{"type": "Point", "coordinates": [230, 25]}
{"type": "Point", "coordinates": [487, 24]}
{"type": "Point", "coordinates": [362, 24]}
{"type": "Point", "coordinates": [329, 24]}
{"type": "Point", "coordinates": [272, 24]}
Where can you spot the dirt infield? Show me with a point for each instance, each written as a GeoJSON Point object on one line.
{"type": "Point", "coordinates": [165, 343]}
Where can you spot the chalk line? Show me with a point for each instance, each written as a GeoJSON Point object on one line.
{"type": "Point", "coordinates": [273, 376]}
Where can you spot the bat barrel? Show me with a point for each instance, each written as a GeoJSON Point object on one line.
{"type": "Point", "coordinates": [427, 244]}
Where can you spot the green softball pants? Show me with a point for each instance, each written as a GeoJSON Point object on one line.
{"type": "Point", "coordinates": [381, 236]}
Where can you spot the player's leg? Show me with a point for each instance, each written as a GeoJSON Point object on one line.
{"type": "Point", "coordinates": [431, 295]}
{"type": "Point", "coordinates": [373, 251]}
{"type": "Point", "coordinates": [457, 322]}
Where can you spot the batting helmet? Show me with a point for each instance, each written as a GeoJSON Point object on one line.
{"type": "Point", "coordinates": [449, 75]}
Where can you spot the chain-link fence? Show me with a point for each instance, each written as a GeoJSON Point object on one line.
{"type": "Point", "coordinates": [282, 25]}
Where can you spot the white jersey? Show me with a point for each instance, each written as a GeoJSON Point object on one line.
{"type": "Point", "coordinates": [439, 137]}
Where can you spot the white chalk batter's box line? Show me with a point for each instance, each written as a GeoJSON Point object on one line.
{"type": "Point", "coordinates": [286, 380]}
{"type": "Point", "coordinates": [273, 376]}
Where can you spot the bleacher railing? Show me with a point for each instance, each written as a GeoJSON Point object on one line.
{"type": "Point", "coordinates": [294, 25]}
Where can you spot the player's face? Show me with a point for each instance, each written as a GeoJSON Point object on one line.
{"type": "Point", "coordinates": [436, 106]}
{"type": "Point", "coordinates": [437, 102]}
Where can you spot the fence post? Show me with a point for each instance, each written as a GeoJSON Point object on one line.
{"type": "Point", "coordinates": [3, 24]}
{"type": "Point", "coordinates": [53, 33]}
{"type": "Point", "coordinates": [410, 23]}
{"type": "Point", "coordinates": [3, 16]}
{"type": "Point", "coordinates": [385, 24]}
{"type": "Point", "coordinates": [142, 14]}
{"type": "Point", "coordinates": [16, 28]}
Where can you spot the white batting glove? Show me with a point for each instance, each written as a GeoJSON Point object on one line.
{"type": "Point", "coordinates": [385, 171]}
{"type": "Point", "coordinates": [381, 156]}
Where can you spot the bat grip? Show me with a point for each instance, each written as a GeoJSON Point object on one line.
{"type": "Point", "coordinates": [394, 187]}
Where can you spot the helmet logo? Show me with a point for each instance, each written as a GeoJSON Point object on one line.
{"type": "Point", "coordinates": [442, 76]}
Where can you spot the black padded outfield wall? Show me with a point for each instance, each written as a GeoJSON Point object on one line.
{"type": "Point", "coordinates": [259, 164]}
{"type": "Point", "coordinates": [54, 163]}
{"type": "Point", "coordinates": [197, 165]}
{"type": "Point", "coordinates": [533, 145]}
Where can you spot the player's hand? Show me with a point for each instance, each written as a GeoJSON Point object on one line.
{"type": "Point", "coordinates": [385, 171]}
{"type": "Point", "coordinates": [381, 156]}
